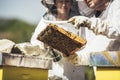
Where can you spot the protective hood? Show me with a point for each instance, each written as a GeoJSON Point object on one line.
{"type": "Point", "coordinates": [47, 3]}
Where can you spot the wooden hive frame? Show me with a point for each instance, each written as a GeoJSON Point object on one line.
{"type": "Point", "coordinates": [60, 39]}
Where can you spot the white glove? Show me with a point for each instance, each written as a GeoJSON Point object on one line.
{"type": "Point", "coordinates": [78, 21]}
{"type": "Point", "coordinates": [78, 59]}
{"type": "Point", "coordinates": [97, 25]}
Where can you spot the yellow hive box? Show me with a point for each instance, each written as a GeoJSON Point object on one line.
{"type": "Point", "coordinates": [108, 73]}
{"type": "Point", "coordinates": [1, 73]}
{"type": "Point", "coordinates": [22, 73]}
{"type": "Point", "coordinates": [20, 67]}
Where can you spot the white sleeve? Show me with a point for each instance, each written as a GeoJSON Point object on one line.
{"type": "Point", "coordinates": [105, 27]}
{"type": "Point", "coordinates": [39, 28]}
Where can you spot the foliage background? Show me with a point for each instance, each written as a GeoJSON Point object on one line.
{"type": "Point", "coordinates": [16, 30]}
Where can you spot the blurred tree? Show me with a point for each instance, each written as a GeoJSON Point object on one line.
{"type": "Point", "coordinates": [16, 30]}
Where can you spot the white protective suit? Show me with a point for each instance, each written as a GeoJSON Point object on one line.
{"type": "Point", "coordinates": [106, 34]}
{"type": "Point", "coordinates": [62, 68]}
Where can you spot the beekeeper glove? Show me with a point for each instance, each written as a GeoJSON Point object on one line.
{"type": "Point", "coordinates": [78, 21]}
{"type": "Point", "coordinates": [78, 59]}
{"type": "Point", "coordinates": [97, 25]}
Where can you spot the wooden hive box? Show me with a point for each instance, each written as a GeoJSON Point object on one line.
{"type": "Point", "coordinates": [61, 40]}
{"type": "Point", "coordinates": [108, 73]}
{"type": "Point", "coordinates": [108, 64]}
{"type": "Point", "coordinates": [19, 67]}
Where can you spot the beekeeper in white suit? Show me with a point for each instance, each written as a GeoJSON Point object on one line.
{"type": "Point", "coordinates": [62, 70]}
{"type": "Point", "coordinates": [105, 25]}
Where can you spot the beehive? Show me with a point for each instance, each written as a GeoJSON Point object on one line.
{"type": "Point", "coordinates": [19, 67]}
{"type": "Point", "coordinates": [108, 64]}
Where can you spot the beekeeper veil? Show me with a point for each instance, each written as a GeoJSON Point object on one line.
{"type": "Point", "coordinates": [84, 9]}
{"type": "Point", "coordinates": [49, 5]}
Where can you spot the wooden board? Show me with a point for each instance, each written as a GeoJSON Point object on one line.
{"type": "Point", "coordinates": [105, 58]}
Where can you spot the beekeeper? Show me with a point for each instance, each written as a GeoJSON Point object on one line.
{"type": "Point", "coordinates": [105, 25]}
{"type": "Point", "coordinates": [61, 11]}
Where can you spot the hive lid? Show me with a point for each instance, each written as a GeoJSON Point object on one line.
{"type": "Point", "coordinates": [25, 61]}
